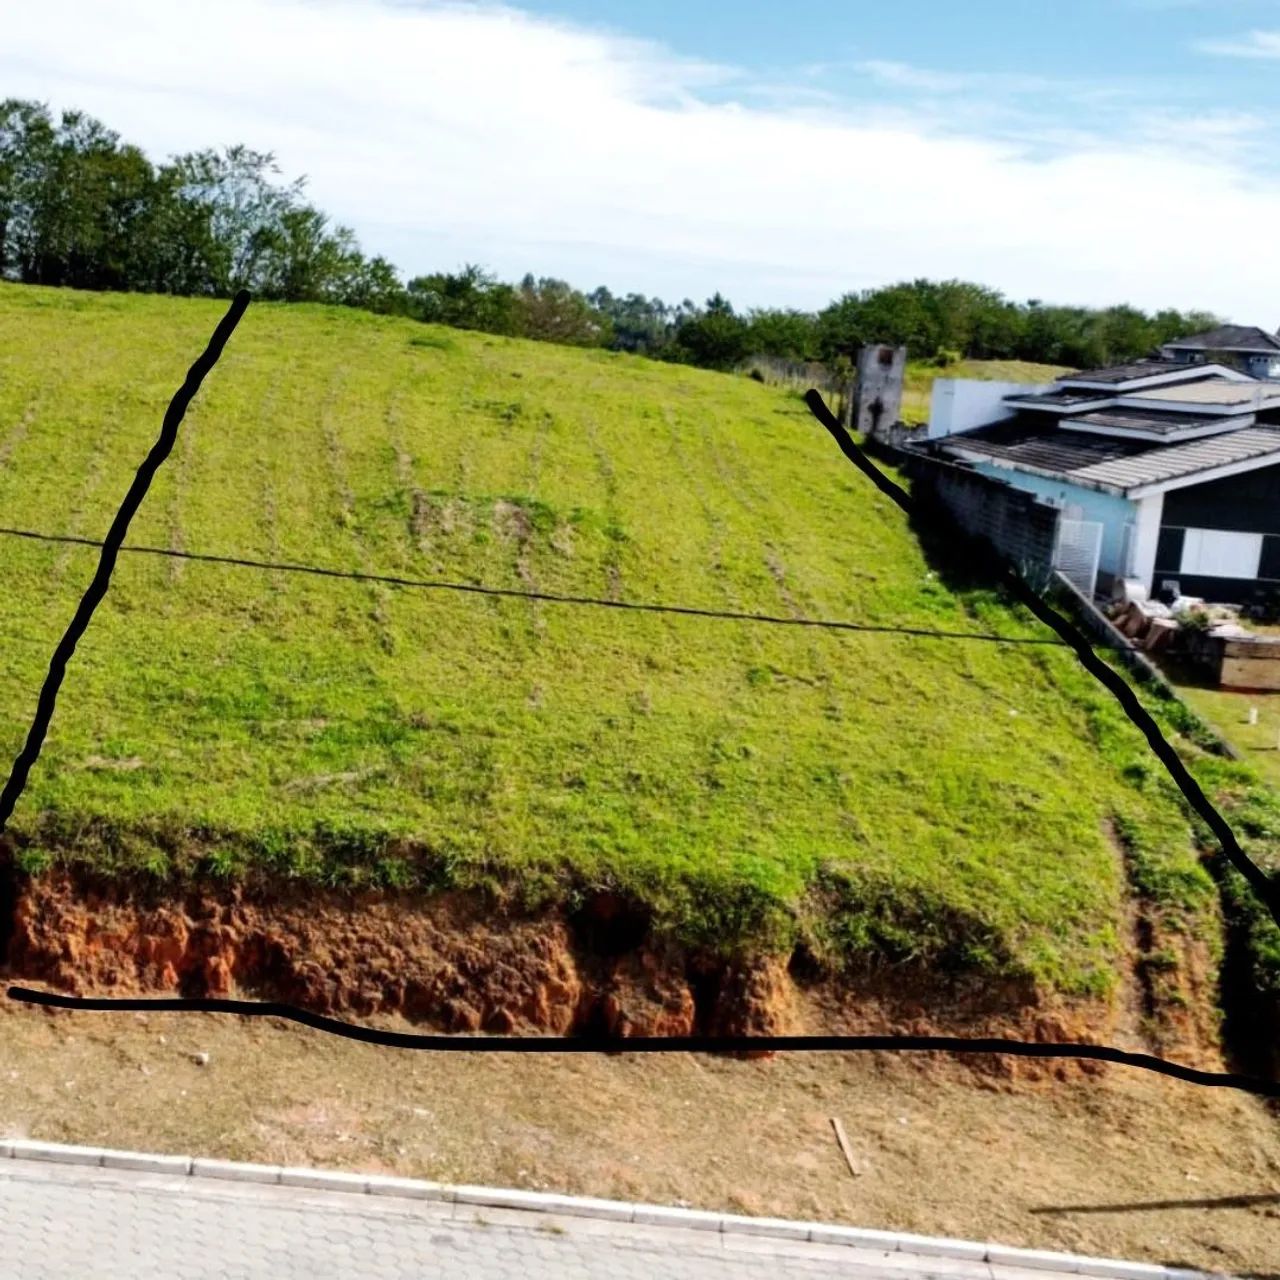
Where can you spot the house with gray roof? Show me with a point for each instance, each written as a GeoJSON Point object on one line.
{"type": "Point", "coordinates": [1161, 471]}
{"type": "Point", "coordinates": [1254, 350]}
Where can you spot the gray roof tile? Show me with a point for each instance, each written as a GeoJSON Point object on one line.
{"type": "Point", "coordinates": [1121, 373]}
{"type": "Point", "coordinates": [1230, 337]}
{"type": "Point", "coordinates": [1102, 462]}
{"type": "Point", "coordinates": [1154, 422]}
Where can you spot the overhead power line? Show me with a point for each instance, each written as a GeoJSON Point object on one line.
{"type": "Point", "coordinates": [546, 597]}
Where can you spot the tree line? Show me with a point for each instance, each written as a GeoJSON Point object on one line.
{"type": "Point", "coordinates": [81, 208]}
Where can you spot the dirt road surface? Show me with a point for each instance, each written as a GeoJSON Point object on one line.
{"type": "Point", "coordinates": [1131, 1166]}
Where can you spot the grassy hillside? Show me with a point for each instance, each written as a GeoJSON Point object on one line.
{"type": "Point", "coordinates": [924, 797]}
{"type": "Point", "coordinates": [918, 388]}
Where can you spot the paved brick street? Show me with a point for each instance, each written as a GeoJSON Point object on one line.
{"type": "Point", "coordinates": [68, 1221]}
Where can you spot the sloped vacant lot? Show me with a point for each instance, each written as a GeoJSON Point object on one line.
{"type": "Point", "coordinates": [876, 796]}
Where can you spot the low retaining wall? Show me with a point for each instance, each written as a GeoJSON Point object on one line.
{"type": "Point", "coordinates": [1095, 621]}
{"type": "Point", "coordinates": [1237, 662]}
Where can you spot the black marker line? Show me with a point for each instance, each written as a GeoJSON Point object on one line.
{"type": "Point", "coordinates": [555, 1044]}
{"type": "Point", "coordinates": [651, 1044]}
{"type": "Point", "coordinates": [1261, 883]}
{"type": "Point", "coordinates": [442, 584]}
{"type": "Point", "coordinates": [97, 588]}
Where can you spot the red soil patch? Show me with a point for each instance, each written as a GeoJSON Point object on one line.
{"type": "Point", "coordinates": [459, 963]}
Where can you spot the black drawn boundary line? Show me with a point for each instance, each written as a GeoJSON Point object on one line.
{"type": "Point", "coordinates": [570, 1044]}
{"type": "Point", "coordinates": [97, 588]}
{"type": "Point", "coordinates": [653, 1044]}
{"type": "Point", "coordinates": [441, 584]}
{"type": "Point", "coordinates": [1261, 883]}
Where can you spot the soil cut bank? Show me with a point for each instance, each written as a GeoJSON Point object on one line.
{"type": "Point", "coordinates": [461, 962]}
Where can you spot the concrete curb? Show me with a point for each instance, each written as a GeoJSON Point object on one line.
{"type": "Point", "coordinates": [585, 1207]}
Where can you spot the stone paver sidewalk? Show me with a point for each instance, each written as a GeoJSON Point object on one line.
{"type": "Point", "coordinates": [65, 1221]}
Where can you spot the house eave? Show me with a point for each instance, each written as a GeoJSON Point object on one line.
{"type": "Point", "coordinates": [1147, 400]}
{"type": "Point", "coordinates": [1045, 473]}
{"type": "Point", "coordinates": [1198, 432]}
{"type": "Point", "coordinates": [1221, 472]}
{"type": "Point", "coordinates": [1083, 406]}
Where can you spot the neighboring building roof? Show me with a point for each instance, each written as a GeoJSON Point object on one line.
{"type": "Point", "coordinates": [1157, 387]}
{"type": "Point", "coordinates": [1152, 422]}
{"type": "Point", "coordinates": [1061, 398]}
{"type": "Point", "coordinates": [1217, 391]}
{"type": "Point", "coordinates": [1032, 446]}
{"type": "Point", "coordinates": [1175, 462]}
{"type": "Point", "coordinates": [1125, 372]}
{"type": "Point", "coordinates": [1109, 463]}
{"type": "Point", "coordinates": [1149, 373]}
{"type": "Point", "coordinates": [1230, 337]}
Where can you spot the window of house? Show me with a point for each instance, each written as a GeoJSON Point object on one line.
{"type": "Point", "coordinates": [1216, 553]}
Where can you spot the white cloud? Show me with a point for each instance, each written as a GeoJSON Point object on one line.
{"type": "Point", "coordinates": [445, 133]}
{"type": "Point", "coordinates": [1254, 44]}
{"type": "Point", "coordinates": [904, 75]}
{"type": "Point", "coordinates": [1238, 135]}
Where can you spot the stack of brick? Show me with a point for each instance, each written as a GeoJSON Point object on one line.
{"type": "Point", "coordinates": [1148, 624]}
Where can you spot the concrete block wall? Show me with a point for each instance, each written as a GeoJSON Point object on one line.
{"type": "Point", "coordinates": [1019, 526]}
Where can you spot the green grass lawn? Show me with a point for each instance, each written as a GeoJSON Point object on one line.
{"type": "Point", "coordinates": [1228, 713]}
{"type": "Point", "coordinates": [877, 792]}
{"type": "Point", "coordinates": [917, 389]}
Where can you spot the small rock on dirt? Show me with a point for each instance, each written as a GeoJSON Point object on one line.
{"type": "Point", "coordinates": [200, 1059]}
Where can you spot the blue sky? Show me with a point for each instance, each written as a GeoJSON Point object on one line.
{"type": "Point", "coordinates": [1081, 151]}
{"type": "Point", "coordinates": [1065, 65]}
{"type": "Point", "coordinates": [1107, 38]}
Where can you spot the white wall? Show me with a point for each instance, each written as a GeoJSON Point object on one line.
{"type": "Point", "coordinates": [964, 404]}
{"type": "Point", "coordinates": [1147, 534]}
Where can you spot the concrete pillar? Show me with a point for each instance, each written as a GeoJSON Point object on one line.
{"type": "Point", "coordinates": [877, 403]}
{"type": "Point", "coordinates": [1146, 533]}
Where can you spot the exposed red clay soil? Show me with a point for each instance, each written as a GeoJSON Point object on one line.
{"type": "Point", "coordinates": [455, 962]}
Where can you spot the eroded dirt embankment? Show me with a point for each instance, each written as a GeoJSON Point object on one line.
{"type": "Point", "coordinates": [458, 962]}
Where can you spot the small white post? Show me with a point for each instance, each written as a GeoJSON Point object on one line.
{"type": "Point", "coordinates": [1253, 715]}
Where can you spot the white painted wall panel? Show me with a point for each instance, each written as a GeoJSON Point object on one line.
{"type": "Point", "coordinates": [964, 404]}
{"type": "Point", "coordinates": [1215, 553]}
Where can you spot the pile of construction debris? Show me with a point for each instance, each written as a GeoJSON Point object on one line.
{"type": "Point", "coordinates": [1154, 625]}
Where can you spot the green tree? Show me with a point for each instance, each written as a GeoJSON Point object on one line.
{"type": "Point", "coordinates": [374, 284]}
{"type": "Point", "coordinates": [26, 140]}
{"type": "Point", "coordinates": [553, 311]}
{"type": "Point", "coordinates": [841, 328]}
{"type": "Point", "coordinates": [470, 299]}
{"type": "Point", "coordinates": [715, 338]}
{"type": "Point", "coordinates": [79, 207]}
{"type": "Point", "coordinates": [304, 261]}
{"type": "Point", "coordinates": [639, 323]}
{"type": "Point", "coordinates": [246, 212]}
{"type": "Point", "coordinates": [790, 335]}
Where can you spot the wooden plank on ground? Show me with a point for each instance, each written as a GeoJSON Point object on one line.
{"type": "Point", "coordinates": [843, 1139]}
